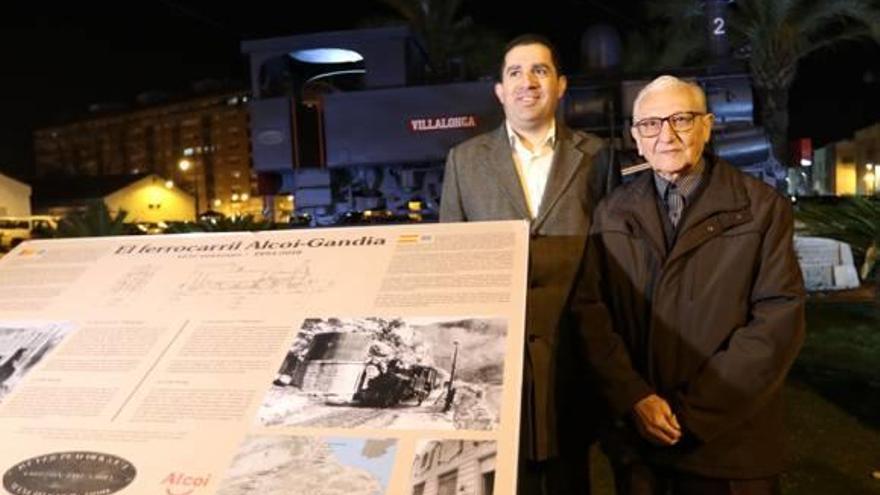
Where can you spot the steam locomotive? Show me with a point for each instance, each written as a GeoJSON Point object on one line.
{"type": "Point", "coordinates": [343, 122]}
{"type": "Point", "coordinates": [339, 367]}
{"type": "Point", "coordinates": [396, 385]}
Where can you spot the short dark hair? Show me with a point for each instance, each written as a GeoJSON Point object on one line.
{"type": "Point", "coordinates": [530, 39]}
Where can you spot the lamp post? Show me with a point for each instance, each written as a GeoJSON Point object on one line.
{"type": "Point", "coordinates": [450, 390]}
{"type": "Point", "coordinates": [184, 166]}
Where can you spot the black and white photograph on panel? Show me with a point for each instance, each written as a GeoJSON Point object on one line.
{"type": "Point", "coordinates": [23, 345]}
{"type": "Point", "coordinates": [275, 465]}
{"type": "Point", "coordinates": [391, 372]}
{"type": "Point", "coordinates": [453, 467]}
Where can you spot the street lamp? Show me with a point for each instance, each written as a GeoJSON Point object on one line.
{"type": "Point", "coordinates": [184, 165]}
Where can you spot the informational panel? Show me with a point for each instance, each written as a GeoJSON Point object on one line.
{"type": "Point", "coordinates": [379, 360]}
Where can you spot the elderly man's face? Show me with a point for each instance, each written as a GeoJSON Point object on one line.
{"type": "Point", "coordinates": [672, 151]}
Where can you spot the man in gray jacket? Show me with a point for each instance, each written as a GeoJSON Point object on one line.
{"type": "Point", "coordinates": [535, 168]}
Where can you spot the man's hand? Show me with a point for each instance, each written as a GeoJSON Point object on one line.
{"type": "Point", "coordinates": [655, 421]}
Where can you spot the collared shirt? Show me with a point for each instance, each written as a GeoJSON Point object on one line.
{"type": "Point", "coordinates": [533, 167]}
{"type": "Point", "coordinates": [677, 196]}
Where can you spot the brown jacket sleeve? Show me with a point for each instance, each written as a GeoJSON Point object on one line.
{"type": "Point", "coordinates": [604, 351]}
{"type": "Point", "coordinates": [741, 377]}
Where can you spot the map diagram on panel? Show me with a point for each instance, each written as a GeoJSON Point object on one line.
{"type": "Point", "coordinates": [268, 465]}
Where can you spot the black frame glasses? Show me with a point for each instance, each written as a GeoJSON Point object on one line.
{"type": "Point", "coordinates": [679, 122]}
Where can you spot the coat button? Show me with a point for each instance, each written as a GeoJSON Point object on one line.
{"type": "Point", "coordinates": [711, 228]}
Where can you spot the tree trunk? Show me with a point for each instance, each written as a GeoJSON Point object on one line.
{"type": "Point", "coordinates": [774, 114]}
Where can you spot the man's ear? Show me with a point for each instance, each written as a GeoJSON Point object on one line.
{"type": "Point", "coordinates": [635, 135]}
{"type": "Point", "coordinates": [499, 92]}
{"type": "Point", "coordinates": [563, 85]}
{"type": "Point", "coordinates": [707, 132]}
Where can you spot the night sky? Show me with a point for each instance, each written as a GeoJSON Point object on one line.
{"type": "Point", "coordinates": [60, 57]}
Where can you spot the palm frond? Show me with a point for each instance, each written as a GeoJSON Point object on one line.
{"type": "Point", "coordinates": [814, 18]}
{"type": "Point", "coordinates": [95, 221]}
{"type": "Point", "coordinates": [446, 34]}
{"type": "Point", "coordinates": [855, 221]}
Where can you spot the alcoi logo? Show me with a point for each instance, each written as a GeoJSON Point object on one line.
{"type": "Point", "coordinates": [69, 473]}
{"type": "Point", "coordinates": [184, 484]}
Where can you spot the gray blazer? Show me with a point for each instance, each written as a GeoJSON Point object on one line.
{"type": "Point", "coordinates": [481, 184]}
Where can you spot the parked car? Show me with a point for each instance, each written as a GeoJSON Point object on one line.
{"type": "Point", "coordinates": [14, 230]}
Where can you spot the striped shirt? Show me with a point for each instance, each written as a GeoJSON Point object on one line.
{"type": "Point", "coordinates": [677, 196]}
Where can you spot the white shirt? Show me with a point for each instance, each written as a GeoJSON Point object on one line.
{"type": "Point", "coordinates": [533, 167]}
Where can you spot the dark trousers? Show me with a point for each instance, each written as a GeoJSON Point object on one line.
{"type": "Point", "coordinates": [558, 476]}
{"type": "Point", "coordinates": [642, 479]}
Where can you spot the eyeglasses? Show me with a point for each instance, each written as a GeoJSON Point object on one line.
{"type": "Point", "coordinates": [680, 122]}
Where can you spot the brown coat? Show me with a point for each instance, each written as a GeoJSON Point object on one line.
{"type": "Point", "coordinates": [481, 184]}
{"type": "Point", "coordinates": [712, 326]}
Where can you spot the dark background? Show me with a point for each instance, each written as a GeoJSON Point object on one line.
{"type": "Point", "coordinates": [60, 57]}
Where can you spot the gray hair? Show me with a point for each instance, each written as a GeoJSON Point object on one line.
{"type": "Point", "coordinates": [666, 82]}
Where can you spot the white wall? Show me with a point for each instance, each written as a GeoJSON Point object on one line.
{"type": "Point", "coordinates": [15, 197]}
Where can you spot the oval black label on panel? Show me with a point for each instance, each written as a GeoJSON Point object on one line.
{"type": "Point", "coordinates": [69, 473]}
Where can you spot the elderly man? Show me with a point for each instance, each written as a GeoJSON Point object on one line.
{"type": "Point", "coordinates": [691, 305]}
{"type": "Point", "coordinates": [535, 168]}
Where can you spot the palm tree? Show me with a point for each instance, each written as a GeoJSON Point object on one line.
{"type": "Point", "coordinates": [95, 221]}
{"type": "Point", "coordinates": [780, 33]}
{"type": "Point", "coordinates": [671, 36]}
{"type": "Point", "coordinates": [240, 223]}
{"type": "Point", "coordinates": [447, 36]}
{"type": "Point", "coordinates": [774, 35]}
